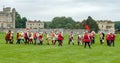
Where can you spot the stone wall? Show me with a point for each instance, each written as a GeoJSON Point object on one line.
{"type": "Point", "coordinates": [65, 31]}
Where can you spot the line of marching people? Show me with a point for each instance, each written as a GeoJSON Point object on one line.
{"type": "Point", "coordinates": [86, 39]}
{"type": "Point", "coordinates": [89, 39]}
{"type": "Point", "coordinates": [55, 37]}
{"type": "Point", "coordinates": [28, 37]}
{"type": "Point", "coordinates": [110, 38]}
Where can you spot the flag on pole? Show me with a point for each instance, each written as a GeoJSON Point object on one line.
{"type": "Point", "coordinates": [87, 27]}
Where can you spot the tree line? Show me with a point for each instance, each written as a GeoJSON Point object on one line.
{"type": "Point", "coordinates": [20, 22]}
{"type": "Point", "coordinates": [69, 23]}
{"type": "Point", "coordinates": [117, 25]}
{"type": "Point", "coordinates": [64, 22]}
{"type": "Point", "coordinates": [59, 22]}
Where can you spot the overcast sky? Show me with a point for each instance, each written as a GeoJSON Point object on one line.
{"type": "Point", "coordinates": [46, 10]}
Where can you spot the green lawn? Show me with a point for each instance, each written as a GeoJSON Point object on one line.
{"type": "Point", "coordinates": [12, 53]}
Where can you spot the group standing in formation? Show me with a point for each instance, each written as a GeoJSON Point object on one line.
{"type": "Point", "coordinates": [28, 37]}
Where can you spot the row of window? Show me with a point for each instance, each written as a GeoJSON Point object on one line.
{"type": "Point", "coordinates": [35, 28]}
{"type": "Point", "coordinates": [5, 26]}
{"type": "Point", "coordinates": [35, 24]}
{"type": "Point", "coordinates": [5, 18]}
{"type": "Point", "coordinates": [107, 26]}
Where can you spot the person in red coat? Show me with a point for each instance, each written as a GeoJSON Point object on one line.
{"type": "Point", "coordinates": [8, 37]}
{"type": "Point", "coordinates": [60, 39]}
{"type": "Point", "coordinates": [86, 39]}
{"type": "Point", "coordinates": [26, 37]}
{"type": "Point", "coordinates": [41, 38]}
{"type": "Point", "coordinates": [53, 37]}
{"type": "Point", "coordinates": [35, 37]}
{"type": "Point", "coordinates": [112, 38]}
{"type": "Point", "coordinates": [108, 39]}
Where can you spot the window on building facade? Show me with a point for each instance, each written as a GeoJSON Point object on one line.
{"type": "Point", "coordinates": [9, 18]}
{"type": "Point", "coordinates": [30, 24]}
{"type": "Point", "coordinates": [102, 26]}
{"type": "Point", "coordinates": [1, 18]}
{"type": "Point", "coordinates": [1, 25]}
{"type": "Point", "coordinates": [30, 27]}
{"type": "Point", "coordinates": [9, 26]}
{"type": "Point", "coordinates": [108, 27]}
{"type": "Point", "coordinates": [35, 28]}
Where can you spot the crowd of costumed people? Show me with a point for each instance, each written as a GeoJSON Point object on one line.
{"type": "Point", "coordinates": [87, 38]}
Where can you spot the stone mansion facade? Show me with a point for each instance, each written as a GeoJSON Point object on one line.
{"type": "Point", "coordinates": [35, 24]}
{"type": "Point", "coordinates": [106, 26]}
{"type": "Point", "coordinates": [7, 18]}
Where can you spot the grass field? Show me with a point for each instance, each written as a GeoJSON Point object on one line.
{"type": "Point", "coordinates": [13, 53]}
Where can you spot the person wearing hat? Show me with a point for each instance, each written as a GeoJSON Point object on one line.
{"type": "Point", "coordinates": [102, 35]}
{"type": "Point", "coordinates": [70, 38]}
{"type": "Point", "coordinates": [35, 37]}
{"type": "Point", "coordinates": [56, 38]}
{"type": "Point", "coordinates": [60, 38]}
{"type": "Point", "coordinates": [12, 39]}
{"type": "Point", "coordinates": [22, 37]}
{"type": "Point", "coordinates": [47, 38]}
{"type": "Point", "coordinates": [79, 40]}
{"type": "Point", "coordinates": [53, 37]}
{"type": "Point", "coordinates": [18, 38]}
{"type": "Point", "coordinates": [31, 38]}
{"type": "Point", "coordinates": [93, 37]}
{"type": "Point", "coordinates": [41, 38]}
{"type": "Point", "coordinates": [8, 37]}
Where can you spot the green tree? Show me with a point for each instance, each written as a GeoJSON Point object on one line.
{"type": "Point", "coordinates": [92, 24]}
{"type": "Point", "coordinates": [17, 20]}
{"type": "Point", "coordinates": [82, 26]}
{"type": "Point", "coordinates": [47, 24]}
{"type": "Point", "coordinates": [20, 22]}
{"type": "Point", "coordinates": [23, 22]}
{"type": "Point", "coordinates": [77, 25]}
{"type": "Point", "coordinates": [68, 26]}
{"type": "Point", "coordinates": [117, 25]}
{"type": "Point", "coordinates": [62, 22]}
